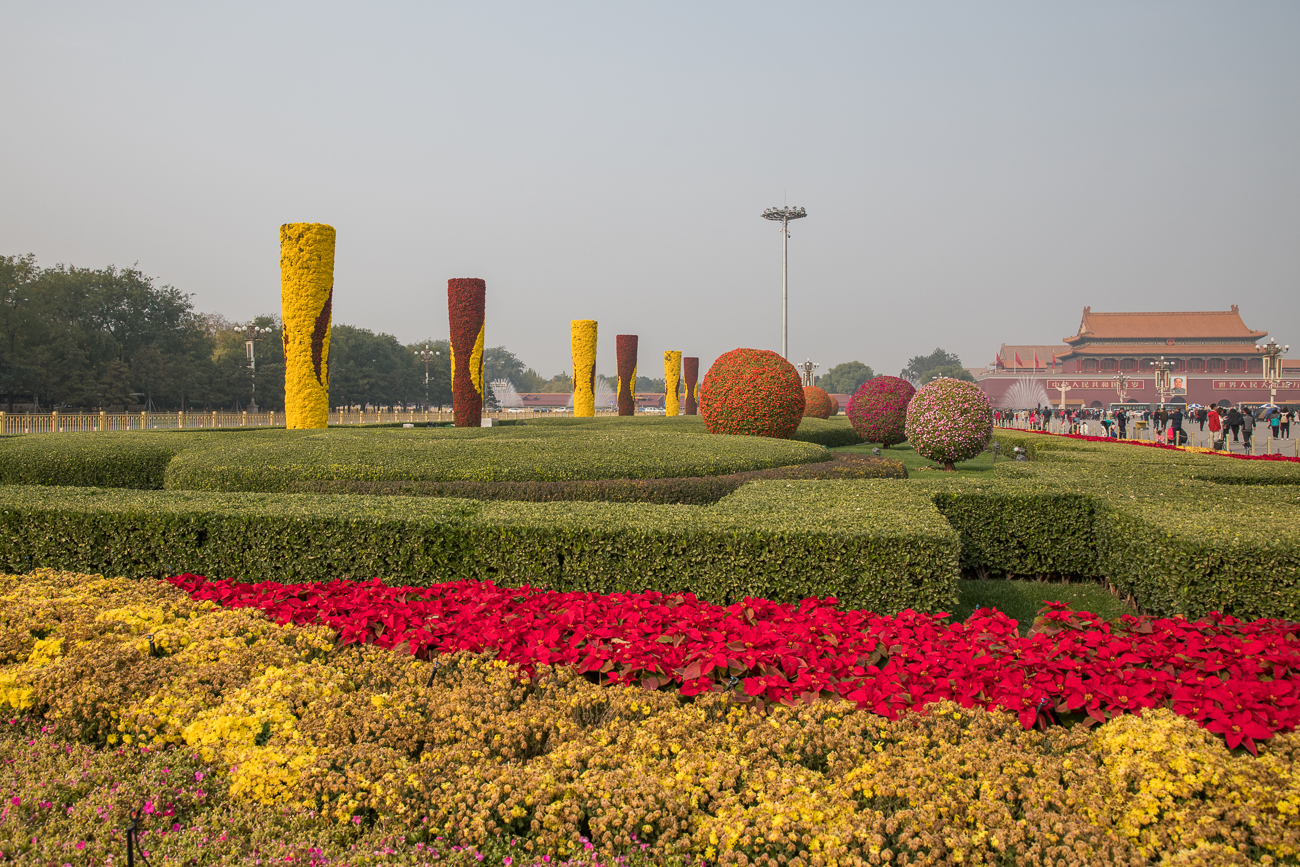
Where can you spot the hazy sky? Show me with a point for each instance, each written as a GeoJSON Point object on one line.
{"type": "Point", "coordinates": [973, 172]}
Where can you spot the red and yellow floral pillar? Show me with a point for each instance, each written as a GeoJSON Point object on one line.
{"type": "Point", "coordinates": [466, 311]}
{"type": "Point", "coordinates": [626, 345]}
{"type": "Point", "coordinates": [672, 378]}
{"type": "Point", "coordinates": [691, 366]}
{"type": "Point", "coordinates": [582, 332]}
{"type": "Point", "coordinates": [306, 300]}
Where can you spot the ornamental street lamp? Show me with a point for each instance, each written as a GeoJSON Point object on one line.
{"type": "Point", "coordinates": [1272, 365]}
{"type": "Point", "coordinates": [784, 216]}
{"type": "Point", "coordinates": [427, 355]}
{"type": "Point", "coordinates": [1121, 386]}
{"type": "Point", "coordinates": [252, 334]}
{"type": "Point", "coordinates": [1163, 386]}
{"type": "Point", "coordinates": [808, 367]}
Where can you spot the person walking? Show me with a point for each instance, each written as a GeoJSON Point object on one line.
{"type": "Point", "coordinates": [1216, 427]}
{"type": "Point", "coordinates": [1234, 423]}
{"type": "Point", "coordinates": [1275, 424]}
{"type": "Point", "coordinates": [1247, 428]}
{"type": "Point", "coordinates": [1121, 418]}
{"type": "Point", "coordinates": [1286, 423]}
{"type": "Point", "coordinates": [1200, 417]}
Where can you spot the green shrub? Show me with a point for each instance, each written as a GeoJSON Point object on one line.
{"type": "Point", "coordinates": [1022, 532]}
{"type": "Point", "coordinates": [689, 490]}
{"type": "Point", "coordinates": [832, 433]}
{"type": "Point", "coordinates": [1182, 533]}
{"type": "Point", "coordinates": [277, 461]}
{"type": "Point", "coordinates": [127, 459]}
{"type": "Point", "coordinates": [873, 544]}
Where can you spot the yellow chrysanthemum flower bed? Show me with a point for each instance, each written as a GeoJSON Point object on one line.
{"type": "Point", "coordinates": [475, 753]}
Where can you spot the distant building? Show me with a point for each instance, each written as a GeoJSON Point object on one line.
{"type": "Point", "coordinates": [1213, 357]}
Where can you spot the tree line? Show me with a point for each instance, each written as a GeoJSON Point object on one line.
{"type": "Point", "coordinates": [80, 338]}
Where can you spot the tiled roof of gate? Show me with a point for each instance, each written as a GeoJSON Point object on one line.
{"type": "Point", "coordinates": [1161, 326]}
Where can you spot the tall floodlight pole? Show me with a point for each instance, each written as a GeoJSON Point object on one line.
{"type": "Point", "coordinates": [784, 216]}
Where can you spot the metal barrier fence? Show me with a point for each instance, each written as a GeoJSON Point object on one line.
{"type": "Point", "coordinates": [72, 422]}
{"type": "Point", "coordinates": [1261, 443]}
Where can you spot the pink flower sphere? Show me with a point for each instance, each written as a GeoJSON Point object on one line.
{"type": "Point", "coordinates": [949, 420]}
{"type": "Point", "coordinates": [878, 410]}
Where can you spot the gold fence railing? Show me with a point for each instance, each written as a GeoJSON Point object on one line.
{"type": "Point", "coordinates": [73, 422]}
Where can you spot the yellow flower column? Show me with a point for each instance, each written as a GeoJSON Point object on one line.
{"type": "Point", "coordinates": [583, 335]}
{"type": "Point", "coordinates": [306, 299]}
{"type": "Point", "coordinates": [672, 377]}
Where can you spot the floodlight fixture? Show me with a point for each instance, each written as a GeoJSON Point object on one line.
{"type": "Point", "coordinates": [783, 216]}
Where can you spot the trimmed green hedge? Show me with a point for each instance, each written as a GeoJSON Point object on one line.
{"type": "Point", "coordinates": [1182, 533]}
{"type": "Point", "coordinates": [830, 432]}
{"type": "Point", "coordinates": [689, 490]}
{"type": "Point", "coordinates": [275, 459]}
{"type": "Point", "coordinates": [1022, 532]}
{"type": "Point", "coordinates": [1232, 554]}
{"type": "Point", "coordinates": [874, 544]}
{"type": "Point", "coordinates": [126, 459]}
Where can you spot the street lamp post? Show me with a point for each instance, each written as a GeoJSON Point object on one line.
{"type": "Point", "coordinates": [1163, 384]}
{"type": "Point", "coordinates": [807, 368]}
{"type": "Point", "coordinates": [1121, 386]}
{"type": "Point", "coordinates": [252, 334]}
{"type": "Point", "coordinates": [1162, 369]}
{"type": "Point", "coordinates": [427, 355]}
{"type": "Point", "coordinates": [1272, 365]}
{"type": "Point", "coordinates": [784, 216]}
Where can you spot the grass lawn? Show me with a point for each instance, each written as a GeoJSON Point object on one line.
{"type": "Point", "coordinates": [1022, 599]}
{"type": "Point", "coordinates": [981, 466]}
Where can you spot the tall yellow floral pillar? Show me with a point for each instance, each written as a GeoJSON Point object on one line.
{"type": "Point", "coordinates": [583, 335]}
{"type": "Point", "coordinates": [306, 299]}
{"type": "Point", "coordinates": [672, 377]}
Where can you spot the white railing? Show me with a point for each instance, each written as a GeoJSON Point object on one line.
{"type": "Point", "coordinates": [72, 422]}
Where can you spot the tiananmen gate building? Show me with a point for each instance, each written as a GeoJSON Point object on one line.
{"type": "Point", "coordinates": [1212, 354]}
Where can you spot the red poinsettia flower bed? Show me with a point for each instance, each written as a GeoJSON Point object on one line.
{"type": "Point", "coordinates": [1239, 679]}
{"type": "Point", "coordinates": [1112, 440]}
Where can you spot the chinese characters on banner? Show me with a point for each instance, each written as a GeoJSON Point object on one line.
{"type": "Point", "coordinates": [1133, 384]}
{"type": "Point", "coordinates": [1253, 384]}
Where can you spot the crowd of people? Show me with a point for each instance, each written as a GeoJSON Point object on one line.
{"type": "Point", "coordinates": [1169, 423]}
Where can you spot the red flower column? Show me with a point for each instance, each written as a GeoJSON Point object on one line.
{"type": "Point", "coordinates": [466, 297]}
{"type": "Point", "coordinates": [626, 344]}
{"type": "Point", "coordinates": [691, 369]}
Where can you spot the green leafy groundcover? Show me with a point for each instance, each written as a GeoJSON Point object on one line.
{"type": "Point", "coordinates": [879, 545]}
